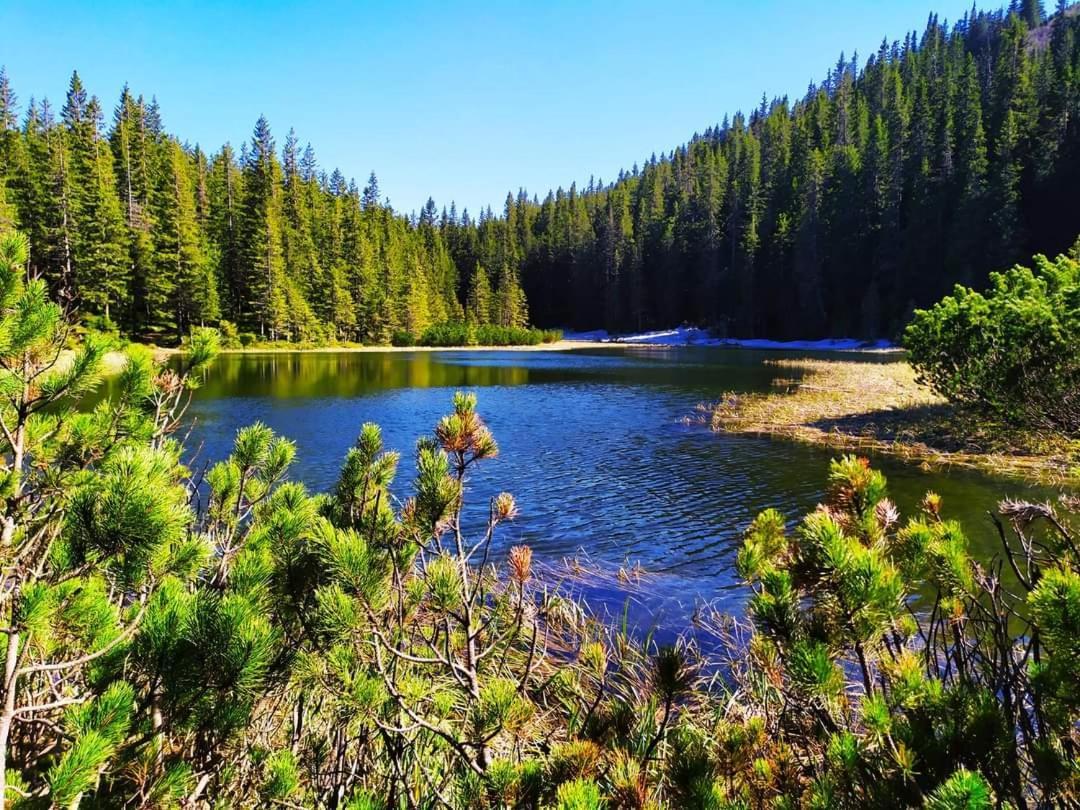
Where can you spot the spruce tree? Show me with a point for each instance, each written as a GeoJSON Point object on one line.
{"type": "Point", "coordinates": [478, 302]}
{"type": "Point", "coordinates": [262, 279]}
{"type": "Point", "coordinates": [184, 294]}
{"type": "Point", "coordinates": [11, 153]}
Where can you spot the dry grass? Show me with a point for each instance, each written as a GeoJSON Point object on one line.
{"type": "Point", "coordinates": [112, 363]}
{"type": "Point", "coordinates": [880, 407]}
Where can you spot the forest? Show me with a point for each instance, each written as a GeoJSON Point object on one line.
{"type": "Point", "coordinates": [155, 237]}
{"type": "Point", "coordinates": [941, 157]}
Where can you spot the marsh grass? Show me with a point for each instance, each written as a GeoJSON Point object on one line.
{"type": "Point", "coordinates": [880, 407]}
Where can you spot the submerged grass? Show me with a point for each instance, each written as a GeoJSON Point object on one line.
{"type": "Point", "coordinates": [880, 407]}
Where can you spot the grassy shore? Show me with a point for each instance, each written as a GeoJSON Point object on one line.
{"type": "Point", "coordinates": [880, 407]}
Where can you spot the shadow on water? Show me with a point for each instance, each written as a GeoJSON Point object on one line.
{"type": "Point", "coordinates": [595, 446]}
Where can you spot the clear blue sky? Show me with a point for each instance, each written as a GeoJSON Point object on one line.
{"type": "Point", "coordinates": [455, 100]}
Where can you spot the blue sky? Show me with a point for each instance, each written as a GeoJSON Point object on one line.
{"type": "Point", "coordinates": [453, 100]}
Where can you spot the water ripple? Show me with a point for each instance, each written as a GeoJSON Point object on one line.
{"type": "Point", "coordinates": [593, 446]}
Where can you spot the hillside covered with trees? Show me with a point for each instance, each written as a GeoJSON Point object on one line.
{"type": "Point", "coordinates": [945, 156]}
{"type": "Point", "coordinates": [939, 158]}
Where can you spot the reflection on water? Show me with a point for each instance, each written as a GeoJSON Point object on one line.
{"type": "Point", "coordinates": [594, 445]}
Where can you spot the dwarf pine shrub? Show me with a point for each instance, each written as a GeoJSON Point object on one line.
{"type": "Point", "coordinates": [1010, 351]}
{"type": "Point", "coordinates": [229, 639]}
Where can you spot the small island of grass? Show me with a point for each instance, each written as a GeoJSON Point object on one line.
{"type": "Point", "coordinates": [881, 407]}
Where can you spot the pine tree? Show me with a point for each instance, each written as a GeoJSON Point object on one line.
{"type": "Point", "coordinates": [134, 154]}
{"type": "Point", "coordinates": [56, 205]}
{"type": "Point", "coordinates": [103, 485]}
{"type": "Point", "coordinates": [510, 307]}
{"type": "Point", "coordinates": [225, 187]}
{"type": "Point", "coordinates": [299, 254]}
{"type": "Point", "coordinates": [1032, 13]}
{"type": "Point", "coordinates": [11, 157]}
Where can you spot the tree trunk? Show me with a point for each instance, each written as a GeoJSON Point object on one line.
{"type": "Point", "coordinates": [8, 714]}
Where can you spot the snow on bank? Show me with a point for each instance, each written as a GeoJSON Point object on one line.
{"type": "Point", "coordinates": [692, 336]}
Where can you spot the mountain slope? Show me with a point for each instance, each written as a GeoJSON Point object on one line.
{"type": "Point", "coordinates": [943, 157]}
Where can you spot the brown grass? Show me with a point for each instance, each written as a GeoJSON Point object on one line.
{"type": "Point", "coordinates": [112, 363]}
{"type": "Point", "coordinates": [881, 407]}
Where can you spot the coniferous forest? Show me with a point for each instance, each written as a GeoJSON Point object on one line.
{"type": "Point", "coordinates": [939, 158]}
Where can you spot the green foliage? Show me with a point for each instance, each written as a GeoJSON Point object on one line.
{"type": "Point", "coordinates": [230, 337]}
{"type": "Point", "coordinates": [352, 649]}
{"type": "Point", "coordinates": [580, 794]}
{"type": "Point", "coordinates": [485, 334]}
{"type": "Point", "coordinates": [831, 600]}
{"type": "Point", "coordinates": [964, 790]}
{"type": "Point", "coordinates": [944, 155]}
{"type": "Point", "coordinates": [402, 338]}
{"type": "Point", "coordinates": [836, 212]}
{"type": "Point", "coordinates": [97, 530]}
{"type": "Point", "coordinates": [98, 728]}
{"type": "Point", "coordinates": [1010, 351]}
{"type": "Point", "coordinates": [146, 232]}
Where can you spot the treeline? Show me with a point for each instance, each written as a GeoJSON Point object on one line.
{"type": "Point", "coordinates": [136, 228]}
{"type": "Point", "coordinates": [945, 156]}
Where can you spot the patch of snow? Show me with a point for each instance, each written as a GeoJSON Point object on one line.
{"type": "Point", "coordinates": [693, 336]}
{"type": "Point", "coordinates": [683, 336]}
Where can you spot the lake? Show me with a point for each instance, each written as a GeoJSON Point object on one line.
{"type": "Point", "coordinates": [600, 448]}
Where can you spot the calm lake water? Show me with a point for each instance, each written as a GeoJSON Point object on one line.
{"type": "Point", "coordinates": [595, 445]}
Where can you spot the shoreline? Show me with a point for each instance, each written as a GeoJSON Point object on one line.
{"type": "Point", "coordinates": [556, 346]}
{"type": "Point", "coordinates": [882, 408]}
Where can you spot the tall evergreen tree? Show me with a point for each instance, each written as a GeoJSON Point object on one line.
{"type": "Point", "coordinates": [262, 276]}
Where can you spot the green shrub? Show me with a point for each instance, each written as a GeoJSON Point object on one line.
{"type": "Point", "coordinates": [402, 337]}
{"type": "Point", "coordinates": [1010, 352]}
{"type": "Point", "coordinates": [102, 329]}
{"type": "Point", "coordinates": [581, 794]}
{"type": "Point", "coordinates": [492, 335]}
{"type": "Point", "coordinates": [840, 629]}
{"type": "Point", "coordinates": [230, 337]}
{"type": "Point", "coordinates": [248, 339]}
{"type": "Point", "coordinates": [101, 323]}
{"type": "Point", "coordinates": [455, 333]}
{"type": "Point", "coordinates": [448, 334]}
